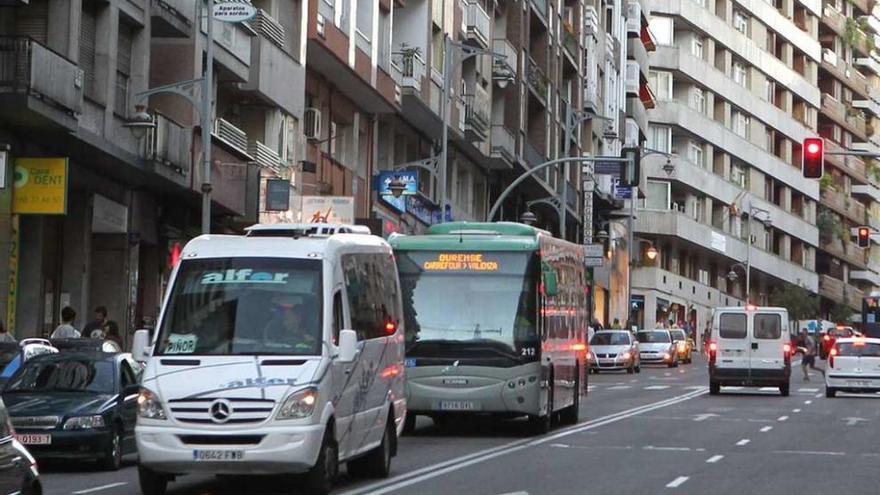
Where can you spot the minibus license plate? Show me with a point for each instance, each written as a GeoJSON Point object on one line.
{"type": "Point", "coordinates": [218, 455]}
{"type": "Point", "coordinates": [34, 439]}
{"type": "Point", "coordinates": [457, 405]}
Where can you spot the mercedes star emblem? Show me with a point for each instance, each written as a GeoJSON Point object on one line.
{"type": "Point", "coordinates": [220, 410]}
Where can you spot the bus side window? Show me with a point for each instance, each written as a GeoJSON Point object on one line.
{"type": "Point", "coordinates": [338, 316]}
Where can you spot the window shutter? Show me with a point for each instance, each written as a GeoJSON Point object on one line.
{"type": "Point", "coordinates": [87, 41]}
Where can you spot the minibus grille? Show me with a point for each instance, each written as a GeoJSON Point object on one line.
{"type": "Point", "coordinates": [221, 410]}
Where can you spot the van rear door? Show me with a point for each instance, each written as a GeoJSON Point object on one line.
{"type": "Point", "coordinates": [733, 343]}
{"type": "Point", "coordinates": [767, 343]}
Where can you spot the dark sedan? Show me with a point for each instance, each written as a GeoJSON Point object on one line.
{"type": "Point", "coordinates": [76, 405]}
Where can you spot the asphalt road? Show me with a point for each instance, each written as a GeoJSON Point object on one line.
{"type": "Point", "coordinates": [658, 431]}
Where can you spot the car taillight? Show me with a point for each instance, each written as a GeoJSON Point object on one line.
{"type": "Point", "coordinates": [713, 350]}
{"type": "Point", "coordinates": [827, 338]}
{"type": "Point", "coordinates": [833, 352]}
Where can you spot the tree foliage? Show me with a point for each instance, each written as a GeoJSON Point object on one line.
{"type": "Point", "coordinates": [840, 313]}
{"type": "Point", "coordinates": [801, 305]}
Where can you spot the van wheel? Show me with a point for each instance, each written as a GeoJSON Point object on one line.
{"type": "Point", "coordinates": [151, 482]}
{"type": "Point", "coordinates": [784, 390]}
{"type": "Point", "coordinates": [377, 462]}
{"type": "Point", "coordinates": [319, 480]}
{"type": "Point", "coordinates": [830, 392]}
{"type": "Point", "coordinates": [409, 424]}
{"type": "Point", "coordinates": [569, 415]}
{"type": "Point", "coordinates": [714, 388]}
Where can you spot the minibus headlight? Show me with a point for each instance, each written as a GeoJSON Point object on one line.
{"type": "Point", "coordinates": [149, 406]}
{"type": "Point", "coordinates": [299, 405]}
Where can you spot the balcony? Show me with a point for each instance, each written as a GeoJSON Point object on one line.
{"type": "Point", "coordinates": [869, 276]}
{"type": "Point", "coordinates": [531, 155]}
{"type": "Point", "coordinates": [508, 65]}
{"type": "Point", "coordinates": [410, 70]}
{"type": "Point", "coordinates": [873, 192]}
{"type": "Point", "coordinates": [275, 75]}
{"type": "Point", "coordinates": [633, 19]}
{"type": "Point", "coordinates": [674, 285]}
{"type": "Point", "coordinates": [478, 115]}
{"type": "Point", "coordinates": [267, 27]}
{"type": "Point", "coordinates": [38, 87]}
{"type": "Point", "coordinates": [846, 73]}
{"type": "Point", "coordinates": [235, 41]}
{"type": "Point", "coordinates": [840, 292]}
{"type": "Point", "coordinates": [570, 43]}
{"type": "Point", "coordinates": [171, 18]}
{"type": "Point", "coordinates": [477, 24]}
{"type": "Point", "coordinates": [845, 250]}
{"type": "Point", "coordinates": [632, 78]}
{"type": "Point", "coordinates": [847, 118]}
{"type": "Point", "coordinates": [852, 165]}
{"type": "Point", "coordinates": [503, 147]}
{"type": "Point", "coordinates": [538, 81]}
{"type": "Point", "coordinates": [541, 7]}
{"type": "Point", "coordinates": [169, 144]}
{"type": "Point", "coordinates": [835, 20]}
{"type": "Point", "coordinates": [843, 205]}
{"type": "Point", "coordinates": [231, 136]}
{"type": "Point", "coordinates": [265, 156]}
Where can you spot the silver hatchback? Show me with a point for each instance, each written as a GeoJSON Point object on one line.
{"type": "Point", "coordinates": [614, 350]}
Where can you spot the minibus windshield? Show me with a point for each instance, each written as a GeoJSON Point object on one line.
{"type": "Point", "coordinates": [243, 306]}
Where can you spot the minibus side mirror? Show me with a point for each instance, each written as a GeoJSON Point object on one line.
{"type": "Point", "coordinates": [347, 345]}
{"type": "Point", "coordinates": [140, 346]}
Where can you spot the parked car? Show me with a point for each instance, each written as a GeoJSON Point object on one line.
{"type": "Point", "coordinates": [81, 344]}
{"type": "Point", "coordinates": [852, 366]}
{"type": "Point", "coordinates": [614, 350]}
{"type": "Point", "coordinates": [655, 346]}
{"type": "Point", "coordinates": [18, 468]}
{"type": "Point", "coordinates": [76, 405]}
{"type": "Point", "coordinates": [13, 354]}
{"type": "Point", "coordinates": [684, 346]}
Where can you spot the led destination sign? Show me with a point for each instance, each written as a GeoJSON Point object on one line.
{"type": "Point", "coordinates": [469, 262]}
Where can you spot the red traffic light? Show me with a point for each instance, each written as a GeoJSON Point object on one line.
{"type": "Point", "coordinates": [864, 236]}
{"type": "Point", "coordinates": [813, 162]}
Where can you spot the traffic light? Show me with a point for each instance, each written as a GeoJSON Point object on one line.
{"type": "Point", "coordinates": [631, 170]}
{"type": "Point", "coordinates": [864, 236]}
{"type": "Point", "coordinates": [813, 160]}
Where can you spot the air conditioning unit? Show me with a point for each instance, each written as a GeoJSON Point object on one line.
{"type": "Point", "coordinates": [312, 123]}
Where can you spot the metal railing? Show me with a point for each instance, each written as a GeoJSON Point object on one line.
{"type": "Point", "coordinates": [268, 27]}
{"type": "Point", "coordinates": [477, 22]}
{"type": "Point", "coordinates": [412, 69]}
{"type": "Point", "coordinates": [511, 57]}
{"type": "Point", "coordinates": [477, 112]}
{"type": "Point", "coordinates": [503, 143]}
{"type": "Point", "coordinates": [169, 144]}
{"type": "Point", "coordinates": [28, 67]}
{"type": "Point", "coordinates": [232, 135]}
{"type": "Point", "coordinates": [265, 156]}
{"type": "Point", "coordinates": [537, 78]}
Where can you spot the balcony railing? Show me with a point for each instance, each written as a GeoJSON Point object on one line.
{"type": "Point", "coordinates": [844, 205]}
{"type": "Point", "coordinates": [477, 23]}
{"type": "Point", "coordinates": [30, 68]}
{"type": "Point", "coordinates": [267, 27]}
{"type": "Point", "coordinates": [503, 143]}
{"type": "Point", "coordinates": [169, 144]}
{"type": "Point", "coordinates": [477, 111]}
{"type": "Point", "coordinates": [510, 60]}
{"type": "Point", "coordinates": [412, 69]}
{"type": "Point", "coordinates": [265, 156]}
{"type": "Point", "coordinates": [532, 156]}
{"type": "Point", "coordinates": [831, 288]}
{"type": "Point", "coordinates": [537, 79]}
{"type": "Point", "coordinates": [541, 5]}
{"type": "Point", "coordinates": [233, 136]}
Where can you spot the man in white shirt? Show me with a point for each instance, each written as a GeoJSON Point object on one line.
{"type": "Point", "coordinates": [66, 329]}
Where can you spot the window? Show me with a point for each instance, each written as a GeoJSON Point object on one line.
{"type": "Point", "coordinates": [660, 138]}
{"type": "Point", "coordinates": [662, 29]}
{"type": "Point", "coordinates": [703, 276]}
{"type": "Point", "coordinates": [437, 51]}
{"type": "Point", "coordinates": [657, 195]}
{"type": "Point", "coordinates": [768, 326]}
{"type": "Point", "coordinates": [739, 176]}
{"type": "Point", "coordinates": [741, 22]}
{"type": "Point", "coordinates": [338, 316]}
{"type": "Point", "coordinates": [365, 20]}
{"type": "Point", "coordinates": [695, 154]}
{"type": "Point", "coordinates": [770, 91]}
{"type": "Point", "coordinates": [371, 286]}
{"type": "Point", "coordinates": [740, 74]}
{"type": "Point", "coordinates": [741, 124]}
{"type": "Point", "coordinates": [732, 326]}
{"type": "Point", "coordinates": [661, 83]}
{"type": "Point", "coordinates": [123, 69]}
{"type": "Point", "coordinates": [88, 33]}
{"type": "Point", "coordinates": [697, 47]}
{"type": "Point", "coordinates": [127, 375]}
{"type": "Point", "coordinates": [699, 100]}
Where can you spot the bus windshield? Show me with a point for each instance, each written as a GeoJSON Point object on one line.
{"type": "Point", "coordinates": [244, 306]}
{"type": "Point", "coordinates": [479, 304]}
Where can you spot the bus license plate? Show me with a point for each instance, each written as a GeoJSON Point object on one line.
{"type": "Point", "coordinates": [34, 439]}
{"type": "Point", "coordinates": [218, 455]}
{"type": "Point", "coordinates": [458, 405]}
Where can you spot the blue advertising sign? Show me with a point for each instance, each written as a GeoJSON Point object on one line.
{"type": "Point", "coordinates": [398, 204]}
{"type": "Point", "coordinates": [621, 192]}
{"type": "Point", "coordinates": [422, 209]}
{"type": "Point", "coordinates": [408, 177]}
{"type": "Point", "coordinates": [437, 218]}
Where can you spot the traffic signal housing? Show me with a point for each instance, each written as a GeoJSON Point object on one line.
{"type": "Point", "coordinates": [864, 235]}
{"type": "Point", "coordinates": [631, 170]}
{"type": "Point", "coordinates": [813, 158]}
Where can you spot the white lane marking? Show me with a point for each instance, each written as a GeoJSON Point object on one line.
{"type": "Point", "coordinates": [742, 442]}
{"type": "Point", "coordinates": [619, 387]}
{"type": "Point", "coordinates": [633, 380]}
{"type": "Point", "coordinates": [100, 488]}
{"type": "Point", "coordinates": [704, 417]}
{"type": "Point", "coordinates": [817, 395]}
{"type": "Point", "coordinates": [516, 493]}
{"type": "Point", "coordinates": [766, 429]}
{"type": "Point", "coordinates": [560, 445]}
{"type": "Point", "coordinates": [714, 459]}
{"type": "Point", "coordinates": [768, 389]}
{"type": "Point", "coordinates": [677, 482]}
{"type": "Point", "coordinates": [656, 387]}
{"type": "Point", "coordinates": [781, 418]}
{"type": "Point", "coordinates": [450, 465]}
{"type": "Point", "coordinates": [667, 374]}
{"type": "Point", "coordinates": [591, 387]}
{"type": "Point", "coordinates": [668, 449]}
{"type": "Point", "coordinates": [795, 411]}
{"type": "Point", "coordinates": [852, 421]}
{"type": "Point", "coordinates": [694, 387]}
{"type": "Point", "coordinates": [808, 452]}
{"type": "Point", "coordinates": [808, 402]}
{"type": "Point", "coordinates": [810, 390]}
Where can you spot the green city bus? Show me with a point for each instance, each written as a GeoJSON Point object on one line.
{"type": "Point", "coordinates": [496, 322]}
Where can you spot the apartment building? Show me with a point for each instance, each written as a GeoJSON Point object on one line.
{"type": "Point", "coordinates": [737, 91]}
{"type": "Point", "coordinates": [849, 80]}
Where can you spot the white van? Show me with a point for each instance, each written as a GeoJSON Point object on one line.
{"type": "Point", "coordinates": [276, 352]}
{"type": "Point", "coordinates": [749, 347]}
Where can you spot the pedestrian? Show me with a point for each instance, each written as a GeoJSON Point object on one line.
{"type": "Point", "coordinates": [616, 324]}
{"type": "Point", "coordinates": [5, 336]}
{"type": "Point", "coordinates": [596, 326]}
{"type": "Point", "coordinates": [66, 330]}
{"type": "Point", "coordinates": [96, 328]}
{"type": "Point", "coordinates": [112, 333]}
{"type": "Point", "coordinates": [808, 349]}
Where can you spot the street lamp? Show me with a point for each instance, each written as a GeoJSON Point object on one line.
{"type": "Point", "coordinates": [668, 167]}
{"type": "Point", "coordinates": [652, 253]}
{"type": "Point", "coordinates": [140, 122]}
{"type": "Point", "coordinates": [528, 218]}
{"type": "Point", "coordinates": [747, 268]}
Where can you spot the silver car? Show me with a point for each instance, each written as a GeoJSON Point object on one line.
{"type": "Point", "coordinates": [614, 350]}
{"type": "Point", "coordinates": [657, 347]}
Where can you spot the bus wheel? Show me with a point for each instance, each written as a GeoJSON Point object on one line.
{"type": "Point", "coordinates": [569, 415]}
{"type": "Point", "coordinates": [542, 424]}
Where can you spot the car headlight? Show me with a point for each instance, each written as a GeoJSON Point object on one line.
{"type": "Point", "coordinates": [149, 406]}
{"type": "Point", "coordinates": [682, 347]}
{"type": "Point", "coordinates": [626, 355]}
{"type": "Point", "coordinates": [298, 405]}
{"type": "Point", "coordinates": [84, 422]}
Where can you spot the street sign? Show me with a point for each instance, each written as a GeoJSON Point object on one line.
{"type": "Point", "coordinates": [621, 192]}
{"type": "Point", "coordinates": [594, 250]}
{"type": "Point", "coordinates": [594, 261]}
{"type": "Point", "coordinates": [234, 11]}
{"type": "Point", "coordinates": [602, 167]}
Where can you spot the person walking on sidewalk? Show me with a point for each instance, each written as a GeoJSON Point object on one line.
{"type": "Point", "coordinates": [66, 330]}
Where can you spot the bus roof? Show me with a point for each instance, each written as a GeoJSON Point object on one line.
{"type": "Point", "coordinates": [464, 236]}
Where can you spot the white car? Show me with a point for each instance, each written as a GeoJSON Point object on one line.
{"type": "Point", "coordinates": [853, 366]}
{"type": "Point", "coordinates": [614, 350]}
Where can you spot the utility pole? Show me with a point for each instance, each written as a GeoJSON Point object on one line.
{"type": "Point", "coordinates": [444, 117]}
{"type": "Point", "coordinates": [207, 115]}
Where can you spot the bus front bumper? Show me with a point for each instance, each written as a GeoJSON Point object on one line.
{"type": "Point", "coordinates": [433, 394]}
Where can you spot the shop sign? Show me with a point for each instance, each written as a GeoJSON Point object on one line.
{"type": "Point", "coordinates": [40, 186]}
{"type": "Point", "coordinates": [328, 209]}
{"type": "Point", "coordinates": [277, 195]}
{"type": "Point", "coordinates": [234, 11]}
{"type": "Point", "coordinates": [410, 179]}
{"type": "Point", "coordinates": [421, 209]}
